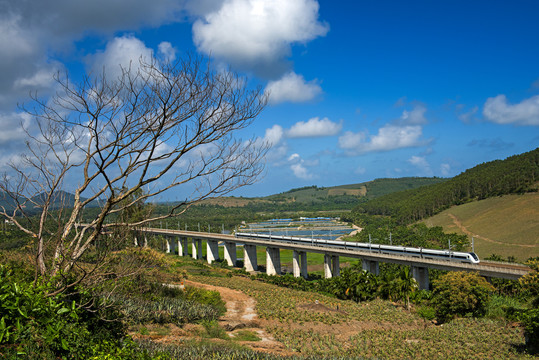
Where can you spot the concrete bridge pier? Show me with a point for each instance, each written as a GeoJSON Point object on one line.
{"type": "Point", "coordinates": [273, 261]}
{"type": "Point", "coordinates": [421, 275]}
{"type": "Point", "coordinates": [230, 253]}
{"type": "Point", "coordinates": [168, 244]}
{"type": "Point", "coordinates": [331, 266]}
{"type": "Point", "coordinates": [299, 264]}
{"type": "Point", "coordinates": [182, 246]}
{"type": "Point", "coordinates": [197, 248]}
{"type": "Point", "coordinates": [249, 257]}
{"type": "Point", "coordinates": [212, 251]}
{"type": "Point", "coordinates": [371, 266]}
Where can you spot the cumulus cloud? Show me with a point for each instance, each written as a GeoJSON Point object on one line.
{"type": "Point", "coordinates": [314, 127]}
{"type": "Point", "coordinates": [167, 51]}
{"type": "Point", "coordinates": [274, 134]}
{"type": "Point", "coordinates": [274, 137]}
{"type": "Point", "coordinates": [498, 110]}
{"type": "Point", "coordinates": [297, 165]}
{"type": "Point", "coordinates": [421, 164]}
{"type": "Point", "coordinates": [292, 88]}
{"type": "Point", "coordinates": [121, 52]}
{"type": "Point", "coordinates": [254, 33]}
{"type": "Point", "coordinates": [389, 137]}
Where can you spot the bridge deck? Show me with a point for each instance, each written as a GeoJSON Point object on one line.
{"type": "Point", "coordinates": [512, 272]}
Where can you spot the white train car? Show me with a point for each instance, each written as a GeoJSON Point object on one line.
{"type": "Point", "coordinates": [456, 256]}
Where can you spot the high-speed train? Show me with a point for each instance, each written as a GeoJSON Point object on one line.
{"type": "Point", "coordinates": [379, 248]}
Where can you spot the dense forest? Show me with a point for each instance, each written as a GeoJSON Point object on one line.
{"type": "Point", "coordinates": [514, 175]}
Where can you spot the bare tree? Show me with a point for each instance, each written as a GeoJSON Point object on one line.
{"type": "Point", "coordinates": [157, 127]}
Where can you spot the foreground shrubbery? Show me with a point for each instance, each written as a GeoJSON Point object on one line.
{"type": "Point", "coordinates": [460, 294]}
{"type": "Point", "coordinates": [35, 325]}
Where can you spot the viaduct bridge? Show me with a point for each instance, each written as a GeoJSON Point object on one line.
{"type": "Point", "coordinates": [177, 241]}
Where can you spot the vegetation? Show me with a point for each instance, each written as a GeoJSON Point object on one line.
{"type": "Point", "coordinates": [516, 174]}
{"type": "Point", "coordinates": [460, 293]}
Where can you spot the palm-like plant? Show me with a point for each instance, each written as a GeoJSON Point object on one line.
{"type": "Point", "coordinates": [406, 285]}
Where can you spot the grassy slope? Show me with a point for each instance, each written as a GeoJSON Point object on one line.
{"type": "Point", "coordinates": [506, 225]}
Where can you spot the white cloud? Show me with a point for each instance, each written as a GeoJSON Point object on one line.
{"type": "Point", "coordinates": [526, 112]}
{"type": "Point", "coordinates": [350, 140]}
{"type": "Point", "coordinates": [293, 88]}
{"type": "Point", "coordinates": [274, 134]}
{"type": "Point", "coordinates": [298, 167]}
{"type": "Point", "coordinates": [422, 164]}
{"type": "Point", "coordinates": [389, 137]}
{"type": "Point", "coordinates": [254, 32]}
{"type": "Point", "coordinates": [121, 52]}
{"type": "Point", "coordinates": [314, 127]}
{"type": "Point", "coordinates": [274, 137]}
{"type": "Point", "coordinates": [167, 51]}
{"type": "Point", "coordinates": [300, 171]}
{"type": "Point", "coordinates": [414, 117]}
{"type": "Point", "coordinates": [294, 157]}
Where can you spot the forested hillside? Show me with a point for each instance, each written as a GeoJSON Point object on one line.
{"type": "Point", "coordinates": [352, 192]}
{"type": "Point", "coordinates": [516, 174]}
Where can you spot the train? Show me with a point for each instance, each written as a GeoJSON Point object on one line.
{"type": "Point", "coordinates": [457, 256]}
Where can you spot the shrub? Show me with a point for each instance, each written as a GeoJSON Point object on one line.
{"type": "Point", "coordinates": [460, 294]}
{"type": "Point", "coordinates": [38, 326]}
{"type": "Point", "coordinates": [530, 322]}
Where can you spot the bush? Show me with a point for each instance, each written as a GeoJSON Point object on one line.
{"type": "Point", "coordinates": [530, 322]}
{"type": "Point", "coordinates": [460, 294]}
{"type": "Point", "coordinates": [38, 326]}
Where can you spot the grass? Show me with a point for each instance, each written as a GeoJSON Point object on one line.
{"type": "Point", "coordinates": [246, 335]}
{"type": "Point", "coordinates": [506, 225]}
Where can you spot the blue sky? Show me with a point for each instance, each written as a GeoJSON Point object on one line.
{"type": "Point", "coordinates": [358, 89]}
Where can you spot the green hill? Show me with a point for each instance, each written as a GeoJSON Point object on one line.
{"type": "Point", "coordinates": [514, 175]}
{"type": "Point", "coordinates": [507, 225]}
{"type": "Point", "coordinates": [365, 190]}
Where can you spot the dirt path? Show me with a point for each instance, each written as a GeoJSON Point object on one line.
{"type": "Point", "coordinates": [241, 315]}
{"type": "Point", "coordinates": [458, 224]}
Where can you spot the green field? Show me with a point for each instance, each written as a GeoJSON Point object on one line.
{"type": "Point", "coordinates": [506, 225]}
